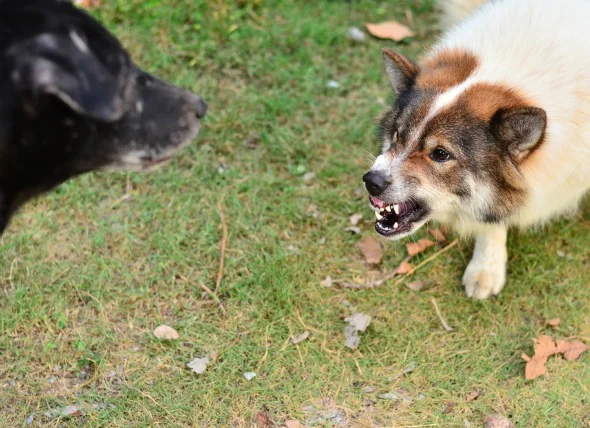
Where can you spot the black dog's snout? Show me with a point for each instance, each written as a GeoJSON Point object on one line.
{"type": "Point", "coordinates": [375, 182]}
{"type": "Point", "coordinates": [200, 106]}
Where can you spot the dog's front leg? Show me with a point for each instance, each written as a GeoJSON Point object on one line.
{"type": "Point", "coordinates": [486, 272]}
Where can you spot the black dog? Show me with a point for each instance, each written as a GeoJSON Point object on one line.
{"type": "Point", "coordinates": [72, 101]}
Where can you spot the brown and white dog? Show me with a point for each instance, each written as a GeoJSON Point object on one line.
{"type": "Point", "coordinates": [490, 131]}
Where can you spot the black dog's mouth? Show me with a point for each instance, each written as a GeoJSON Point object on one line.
{"type": "Point", "coordinates": [397, 219]}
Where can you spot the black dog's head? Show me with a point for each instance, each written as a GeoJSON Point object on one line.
{"type": "Point", "coordinates": [72, 101]}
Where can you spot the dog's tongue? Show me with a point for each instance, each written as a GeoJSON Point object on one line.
{"type": "Point", "coordinates": [377, 202]}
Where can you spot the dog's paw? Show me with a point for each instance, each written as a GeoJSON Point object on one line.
{"type": "Point", "coordinates": [483, 280]}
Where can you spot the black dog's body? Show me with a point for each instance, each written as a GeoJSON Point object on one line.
{"type": "Point", "coordinates": [72, 101]}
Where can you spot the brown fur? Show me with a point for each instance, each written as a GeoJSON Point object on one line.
{"type": "Point", "coordinates": [446, 69]}
{"type": "Point", "coordinates": [484, 100]}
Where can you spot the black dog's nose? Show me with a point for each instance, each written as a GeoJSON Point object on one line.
{"type": "Point", "coordinates": [200, 107]}
{"type": "Point", "coordinates": [375, 182]}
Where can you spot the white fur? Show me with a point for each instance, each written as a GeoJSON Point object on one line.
{"type": "Point", "coordinates": [452, 12]}
{"type": "Point", "coordinates": [541, 49]}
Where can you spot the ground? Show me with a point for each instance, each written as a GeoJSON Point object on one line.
{"type": "Point", "coordinates": [89, 271]}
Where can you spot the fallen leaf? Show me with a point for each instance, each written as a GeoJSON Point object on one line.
{"type": "Point", "coordinates": [410, 368]}
{"type": "Point", "coordinates": [472, 396]}
{"type": "Point", "coordinates": [293, 424]}
{"type": "Point", "coordinates": [249, 375]}
{"type": "Point", "coordinates": [356, 34]}
{"type": "Point", "coordinates": [544, 347]}
{"type": "Point", "coordinates": [64, 412]}
{"type": "Point", "coordinates": [308, 177]}
{"type": "Point", "coordinates": [199, 365]}
{"type": "Point", "coordinates": [165, 332]}
{"type": "Point", "coordinates": [415, 248]}
{"type": "Point", "coordinates": [571, 350]}
{"type": "Point", "coordinates": [416, 285]}
{"type": "Point", "coordinates": [437, 234]}
{"type": "Point", "coordinates": [449, 407]}
{"type": "Point", "coordinates": [356, 322]}
{"type": "Point", "coordinates": [262, 420]}
{"type": "Point", "coordinates": [404, 268]}
{"type": "Point", "coordinates": [359, 321]}
{"type": "Point", "coordinates": [371, 250]}
{"type": "Point", "coordinates": [497, 421]}
{"type": "Point", "coordinates": [534, 368]}
{"type": "Point", "coordinates": [399, 394]}
{"type": "Point", "coordinates": [389, 30]}
{"type": "Point", "coordinates": [355, 230]}
{"type": "Point", "coordinates": [553, 322]}
{"type": "Point", "coordinates": [300, 337]}
{"type": "Point", "coordinates": [327, 282]}
{"type": "Point", "coordinates": [355, 218]}
{"type": "Point", "coordinates": [352, 338]}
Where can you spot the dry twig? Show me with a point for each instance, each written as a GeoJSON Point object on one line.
{"type": "Point", "coordinates": [222, 246]}
{"type": "Point", "coordinates": [442, 320]}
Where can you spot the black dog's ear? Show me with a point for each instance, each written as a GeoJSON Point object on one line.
{"type": "Point", "coordinates": [66, 68]}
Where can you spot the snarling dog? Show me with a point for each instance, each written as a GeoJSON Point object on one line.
{"type": "Point", "coordinates": [491, 130]}
{"type": "Point", "coordinates": [72, 101]}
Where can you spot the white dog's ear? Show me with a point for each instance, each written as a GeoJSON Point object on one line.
{"type": "Point", "coordinates": [66, 68]}
{"type": "Point", "coordinates": [401, 71]}
{"type": "Point", "coordinates": [519, 130]}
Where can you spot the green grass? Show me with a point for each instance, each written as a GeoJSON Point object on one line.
{"type": "Point", "coordinates": [87, 276]}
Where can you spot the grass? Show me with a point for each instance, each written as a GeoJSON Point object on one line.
{"type": "Point", "coordinates": [87, 275]}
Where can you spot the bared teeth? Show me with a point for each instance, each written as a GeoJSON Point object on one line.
{"type": "Point", "coordinates": [388, 208]}
{"type": "Point", "coordinates": [379, 216]}
{"type": "Point", "coordinates": [396, 208]}
{"type": "Point", "coordinates": [395, 226]}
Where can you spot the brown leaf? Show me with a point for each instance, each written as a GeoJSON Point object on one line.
{"type": "Point", "coordinates": [299, 337]}
{"type": "Point", "coordinates": [553, 322]}
{"type": "Point", "coordinates": [472, 396]}
{"type": "Point", "coordinates": [544, 347]}
{"type": "Point", "coordinates": [404, 268]}
{"type": "Point", "coordinates": [371, 250]}
{"type": "Point", "coordinates": [418, 247]}
{"type": "Point", "coordinates": [293, 424]}
{"type": "Point", "coordinates": [389, 30]}
{"type": "Point", "coordinates": [262, 420]}
{"type": "Point", "coordinates": [416, 285]}
{"type": "Point", "coordinates": [437, 234]}
{"type": "Point", "coordinates": [165, 332]}
{"type": "Point", "coordinates": [535, 366]}
{"type": "Point", "coordinates": [571, 350]}
{"type": "Point", "coordinates": [497, 421]}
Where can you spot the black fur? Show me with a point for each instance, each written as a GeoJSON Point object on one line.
{"type": "Point", "coordinates": [72, 101]}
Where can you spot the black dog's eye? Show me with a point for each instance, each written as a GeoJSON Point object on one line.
{"type": "Point", "coordinates": [440, 155]}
